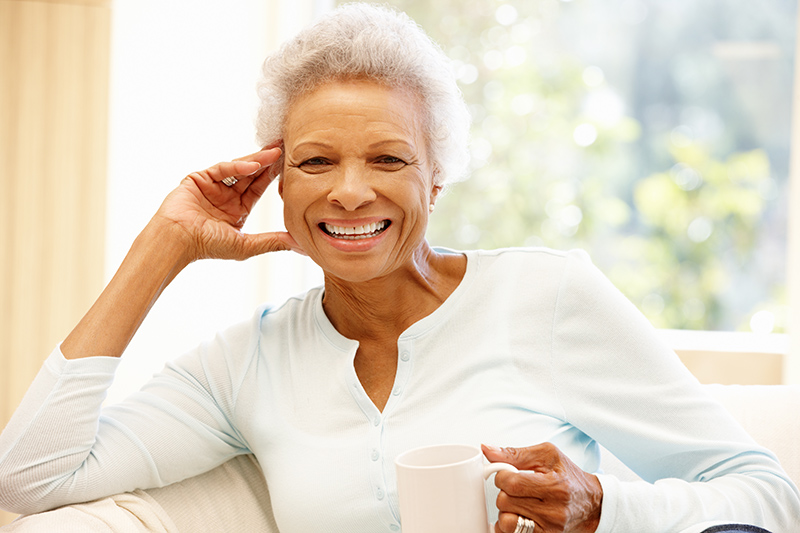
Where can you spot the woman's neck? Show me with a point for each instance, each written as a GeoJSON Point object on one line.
{"type": "Point", "coordinates": [383, 308]}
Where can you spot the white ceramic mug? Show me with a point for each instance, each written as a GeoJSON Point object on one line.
{"type": "Point", "coordinates": [440, 488]}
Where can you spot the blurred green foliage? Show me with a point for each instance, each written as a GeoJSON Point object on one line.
{"type": "Point", "coordinates": [630, 129]}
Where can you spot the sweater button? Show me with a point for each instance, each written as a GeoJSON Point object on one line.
{"type": "Point", "coordinates": [405, 356]}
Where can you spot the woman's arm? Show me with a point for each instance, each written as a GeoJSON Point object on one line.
{"type": "Point", "coordinates": [59, 448]}
{"type": "Point", "coordinates": [622, 386]}
{"type": "Point", "coordinates": [62, 446]}
{"type": "Point", "coordinates": [617, 382]}
{"type": "Point", "coordinates": [202, 218]}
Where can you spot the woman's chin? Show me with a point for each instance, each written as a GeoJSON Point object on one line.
{"type": "Point", "coordinates": [361, 260]}
{"type": "Point", "coordinates": [354, 270]}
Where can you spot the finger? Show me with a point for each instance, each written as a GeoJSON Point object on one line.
{"type": "Point", "coordinates": [507, 522]}
{"type": "Point", "coordinates": [541, 457]}
{"type": "Point", "coordinates": [265, 157]}
{"type": "Point", "coordinates": [554, 509]}
{"type": "Point", "coordinates": [261, 243]}
{"type": "Point", "coordinates": [520, 496]}
{"type": "Point", "coordinates": [232, 169]}
{"type": "Point", "coordinates": [245, 169]}
{"type": "Point", "coordinates": [527, 484]}
{"type": "Point", "coordinates": [263, 179]}
{"type": "Point", "coordinates": [547, 517]}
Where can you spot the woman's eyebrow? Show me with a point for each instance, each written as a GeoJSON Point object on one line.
{"type": "Point", "coordinates": [384, 142]}
{"type": "Point", "coordinates": [310, 144]}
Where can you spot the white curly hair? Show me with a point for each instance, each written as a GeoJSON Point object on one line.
{"type": "Point", "coordinates": [367, 41]}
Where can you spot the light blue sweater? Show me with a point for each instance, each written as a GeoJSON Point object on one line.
{"type": "Point", "coordinates": [534, 345]}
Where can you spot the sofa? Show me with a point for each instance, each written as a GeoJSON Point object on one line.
{"type": "Point", "coordinates": [234, 498]}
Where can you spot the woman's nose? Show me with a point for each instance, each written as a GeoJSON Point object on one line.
{"type": "Point", "coordinates": [351, 189]}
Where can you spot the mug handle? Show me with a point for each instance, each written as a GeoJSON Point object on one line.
{"type": "Point", "coordinates": [493, 468]}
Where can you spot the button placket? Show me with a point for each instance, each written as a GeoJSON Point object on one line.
{"type": "Point", "coordinates": [379, 465]}
{"type": "Point", "coordinates": [376, 468]}
{"type": "Point", "coordinates": [403, 370]}
{"type": "Point", "coordinates": [404, 365]}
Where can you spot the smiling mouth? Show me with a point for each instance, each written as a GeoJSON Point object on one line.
{"type": "Point", "coordinates": [352, 233]}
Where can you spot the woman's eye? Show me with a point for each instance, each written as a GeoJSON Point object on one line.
{"type": "Point", "coordinates": [314, 165]}
{"type": "Point", "coordinates": [314, 161]}
{"type": "Point", "coordinates": [390, 160]}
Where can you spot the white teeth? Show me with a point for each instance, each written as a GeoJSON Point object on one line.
{"type": "Point", "coordinates": [356, 232]}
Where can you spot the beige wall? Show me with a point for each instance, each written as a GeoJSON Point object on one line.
{"type": "Point", "coordinates": [54, 65]}
{"type": "Point", "coordinates": [734, 368]}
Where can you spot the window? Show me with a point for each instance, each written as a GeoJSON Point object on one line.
{"type": "Point", "coordinates": [653, 133]}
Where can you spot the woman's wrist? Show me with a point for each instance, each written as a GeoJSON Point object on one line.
{"type": "Point", "coordinates": [168, 243]}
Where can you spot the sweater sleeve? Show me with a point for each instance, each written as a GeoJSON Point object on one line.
{"type": "Point", "coordinates": [619, 383]}
{"type": "Point", "coordinates": [62, 446]}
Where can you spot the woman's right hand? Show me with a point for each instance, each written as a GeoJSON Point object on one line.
{"type": "Point", "coordinates": [208, 215]}
{"type": "Point", "coordinates": [201, 218]}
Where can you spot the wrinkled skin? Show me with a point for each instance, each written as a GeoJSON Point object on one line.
{"type": "Point", "coordinates": [550, 489]}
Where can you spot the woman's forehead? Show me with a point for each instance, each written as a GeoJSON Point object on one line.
{"type": "Point", "coordinates": [356, 107]}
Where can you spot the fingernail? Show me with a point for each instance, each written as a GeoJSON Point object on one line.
{"type": "Point", "coordinates": [494, 449]}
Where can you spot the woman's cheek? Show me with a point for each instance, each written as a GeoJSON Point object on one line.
{"type": "Point", "coordinates": [299, 193]}
{"type": "Point", "coordinates": [288, 195]}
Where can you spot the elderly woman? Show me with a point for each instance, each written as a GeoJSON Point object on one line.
{"type": "Point", "coordinates": [405, 345]}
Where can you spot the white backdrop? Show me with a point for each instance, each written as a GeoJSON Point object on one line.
{"type": "Point", "coordinates": [183, 98]}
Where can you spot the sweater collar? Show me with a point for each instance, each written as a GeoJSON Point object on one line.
{"type": "Point", "coordinates": [419, 328]}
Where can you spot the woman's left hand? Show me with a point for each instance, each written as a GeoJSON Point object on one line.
{"type": "Point", "coordinates": [552, 491]}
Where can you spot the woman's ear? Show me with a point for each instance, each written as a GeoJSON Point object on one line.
{"type": "Point", "coordinates": [435, 193]}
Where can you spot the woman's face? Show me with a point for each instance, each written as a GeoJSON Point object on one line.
{"type": "Point", "coordinates": [357, 182]}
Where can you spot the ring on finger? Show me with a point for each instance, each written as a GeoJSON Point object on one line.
{"type": "Point", "coordinates": [230, 181]}
{"type": "Point", "coordinates": [525, 525]}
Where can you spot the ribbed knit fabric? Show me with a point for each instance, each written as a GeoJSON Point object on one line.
{"type": "Point", "coordinates": [735, 528]}
{"type": "Point", "coordinates": [534, 345]}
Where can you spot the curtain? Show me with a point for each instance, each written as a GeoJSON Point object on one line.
{"type": "Point", "coordinates": [54, 64]}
